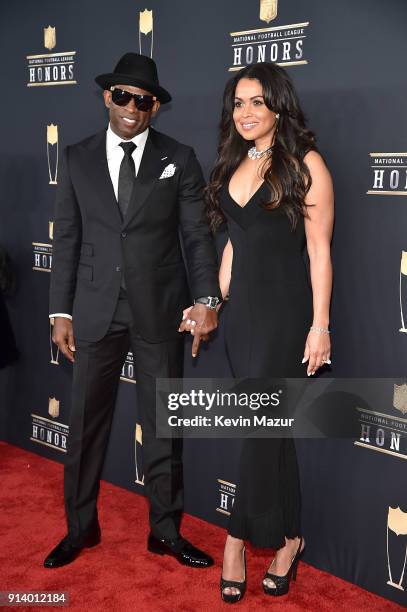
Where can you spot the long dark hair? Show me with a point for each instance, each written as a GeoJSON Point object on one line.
{"type": "Point", "coordinates": [285, 172]}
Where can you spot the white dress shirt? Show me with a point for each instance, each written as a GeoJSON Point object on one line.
{"type": "Point", "coordinates": [115, 154]}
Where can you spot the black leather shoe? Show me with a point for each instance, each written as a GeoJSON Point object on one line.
{"type": "Point", "coordinates": [181, 549]}
{"type": "Point", "coordinates": [66, 552]}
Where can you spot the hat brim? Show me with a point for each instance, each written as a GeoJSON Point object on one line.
{"type": "Point", "coordinates": [107, 80]}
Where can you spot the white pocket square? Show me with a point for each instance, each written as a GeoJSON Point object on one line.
{"type": "Point", "coordinates": [168, 171]}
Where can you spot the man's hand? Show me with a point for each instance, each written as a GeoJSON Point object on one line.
{"type": "Point", "coordinates": [200, 321]}
{"type": "Point", "coordinates": [62, 336]}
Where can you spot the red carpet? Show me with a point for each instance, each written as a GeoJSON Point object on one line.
{"type": "Point", "coordinates": [119, 574]}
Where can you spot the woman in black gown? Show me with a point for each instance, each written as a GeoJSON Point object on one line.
{"type": "Point", "coordinates": [274, 191]}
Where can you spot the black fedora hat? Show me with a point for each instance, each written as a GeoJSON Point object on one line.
{"type": "Point", "coordinates": [137, 70]}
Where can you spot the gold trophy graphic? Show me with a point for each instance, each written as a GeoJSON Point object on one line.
{"type": "Point", "coordinates": [53, 407]}
{"type": "Point", "coordinates": [50, 38]}
{"type": "Point", "coordinates": [397, 523]}
{"type": "Point", "coordinates": [268, 10]}
{"type": "Point", "coordinates": [52, 140]}
{"type": "Point", "coordinates": [403, 272]}
{"type": "Point", "coordinates": [54, 360]}
{"type": "Point", "coordinates": [145, 27]}
{"type": "Point", "coordinates": [138, 455]}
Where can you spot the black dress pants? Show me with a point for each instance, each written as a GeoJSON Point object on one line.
{"type": "Point", "coordinates": [96, 375]}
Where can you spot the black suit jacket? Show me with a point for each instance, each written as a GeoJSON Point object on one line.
{"type": "Point", "coordinates": [93, 247]}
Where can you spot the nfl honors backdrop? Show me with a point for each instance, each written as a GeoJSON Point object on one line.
{"type": "Point", "coordinates": [347, 60]}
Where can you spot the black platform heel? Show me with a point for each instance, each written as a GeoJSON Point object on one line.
{"type": "Point", "coordinates": [224, 584]}
{"type": "Point", "coordinates": [283, 582]}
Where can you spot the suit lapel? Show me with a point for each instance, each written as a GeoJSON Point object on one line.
{"type": "Point", "coordinates": [151, 167]}
{"type": "Point", "coordinates": [99, 172]}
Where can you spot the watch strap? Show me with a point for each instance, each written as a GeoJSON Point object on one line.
{"type": "Point", "coordinates": [209, 301]}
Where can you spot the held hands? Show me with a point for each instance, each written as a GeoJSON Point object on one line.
{"type": "Point", "coordinates": [317, 350]}
{"type": "Point", "coordinates": [62, 336]}
{"type": "Point", "coordinates": [199, 320]}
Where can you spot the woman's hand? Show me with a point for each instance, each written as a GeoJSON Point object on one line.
{"type": "Point", "coordinates": [317, 351]}
{"type": "Point", "coordinates": [185, 313]}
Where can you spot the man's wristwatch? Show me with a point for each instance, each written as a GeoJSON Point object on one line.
{"type": "Point", "coordinates": [210, 301]}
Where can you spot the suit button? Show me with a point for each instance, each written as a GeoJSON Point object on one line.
{"type": "Point", "coordinates": [124, 234]}
{"type": "Point", "coordinates": [118, 269]}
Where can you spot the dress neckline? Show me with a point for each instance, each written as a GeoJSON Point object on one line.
{"type": "Point", "coordinates": [249, 200]}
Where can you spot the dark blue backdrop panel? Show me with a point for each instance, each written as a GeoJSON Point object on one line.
{"type": "Point", "coordinates": [349, 76]}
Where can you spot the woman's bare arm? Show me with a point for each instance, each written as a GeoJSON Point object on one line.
{"type": "Point", "coordinates": [318, 229]}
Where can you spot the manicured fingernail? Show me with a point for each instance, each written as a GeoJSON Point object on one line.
{"type": "Point", "coordinates": [193, 354]}
{"type": "Point", "coordinates": [304, 360]}
{"type": "Point", "coordinates": [308, 373]}
{"type": "Point", "coordinates": [329, 361]}
{"type": "Point", "coordinates": [72, 348]}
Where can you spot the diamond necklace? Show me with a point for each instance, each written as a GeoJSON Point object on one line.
{"type": "Point", "coordinates": [253, 153]}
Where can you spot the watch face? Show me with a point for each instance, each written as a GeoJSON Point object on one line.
{"type": "Point", "coordinates": [213, 302]}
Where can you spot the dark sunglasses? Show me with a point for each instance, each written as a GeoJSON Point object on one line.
{"type": "Point", "coordinates": [122, 98]}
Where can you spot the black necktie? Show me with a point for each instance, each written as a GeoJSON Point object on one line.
{"type": "Point", "coordinates": [127, 177]}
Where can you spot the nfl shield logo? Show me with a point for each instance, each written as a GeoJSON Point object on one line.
{"type": "Point", "coordinates": [50, 38]}
{"type": "Point", "coordinates": [400, 398]}
{"type": "Point", "coordinates": [146, 21]}
{"type": "Point", "coordinates": [53, 407]}
{"type": "Point", "coordinates": [52, 134]}
{"type": "Point", "coordinates": [268, 10]}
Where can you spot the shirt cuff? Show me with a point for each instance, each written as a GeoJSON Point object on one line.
{"type": "Point", "coordinates": [60, 314]}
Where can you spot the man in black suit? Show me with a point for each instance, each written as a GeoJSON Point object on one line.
{"type": "Point", "coordinates": [118, 281]}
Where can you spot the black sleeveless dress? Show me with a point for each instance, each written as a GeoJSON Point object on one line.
{"type": "Point", "coordinates": [268, 316]}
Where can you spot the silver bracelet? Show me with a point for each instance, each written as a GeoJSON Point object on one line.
{"type": "Point", "coordinates": [321, 330]}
